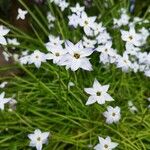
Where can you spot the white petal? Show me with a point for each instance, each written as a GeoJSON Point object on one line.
{"type": "Point", "coordinates": [113, 145]}
{"type": "Point", "coordinates": [2, 106]}
{"type": "Point", "coordinates": [30, 136]}
{"type": "Point", "coordinates": [3, 40]}
{"type": "Point", "coordinates": [97, 147]}
{"type": "Point", "coordinates": [37, 64]}
{"type": "Point", "coordinates": [39, 146]}
{"type": "Point", "coordinates": [85, 64]}
{"type": "Point", "coordinates": [79, 45]}
{"type": "Point", "coordinates": [86, 52]}
{"type": "Point", "coordinates": [38, 132]}
{"type": "Point", "coordinates": [89, 91]}
{"type": "Point", "coordinates": [69, 46]}
{"type": "Point", "coordinates": [3, 31]}
{"type": "Point", "coordinates": [2, 95]}
{"type": "Point", "coordinates": [90, 101]}
{"type": "Point", "coordinates": [96, 84]}
{"type": "Point", "coordinates": [108, 139]}
{"type": "Point", "coordinates": [32, 144]}
{"type": "Point", "coordinates": [45, 136]}
{"type": "Point", "coordinates": [75, 65]}
{"type": "Point", "coordinates": [105, 88]}
{"type": "Point", "coordinates": [108, 97]}
{"type": "Point", "coordinates": [100, 139]}
{"type": "Point", "coordinates": [100, 100]}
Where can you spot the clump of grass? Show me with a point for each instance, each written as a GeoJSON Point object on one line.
{"type": "Point", "coordinates": [46, 102]}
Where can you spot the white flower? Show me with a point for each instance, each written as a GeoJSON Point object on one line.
{"type": "Point", "coordinates": [112, 115]}
{"type": "Point", "coordinates": [132, 107]}
{"type": "Point", "coordinates": [108, 54]}
{"type": "Point", "coordinates": [50, 25]}
{"type": "Point", "coordinates": [37, 58]}
{"type": "Point", "coordinates": [77, 56]}
{"type": "Point", "coordinates": [53, 41]}
{"type": "Point", "coordinates": [3, 84]}
{"type": "Point", "coordinates": [104, 58]}
{"type": "Point", "coordinates": [98, 28]}
{"type": "Point", "coordinates": [142, 57]}
{"type": "Point", "coordinates": [131, 49]}
{"type": "Point", "coordinates": [12, 104]}
{"type": "Point", "coordinates": [98, 93]}
{"type": "Point", "coordinates": [109, 57]}
{"type": "Point", "coordinates": [50, 17]}
{"type": "Point", "coordinates": [3, 32]}
{"type": "Point", "coordinates": [88, 43]}
{"type": "Point", "coordinates": [144, 33]}
{"type": "Point", "coordinates": [70, 84]}
{"type": "Point", "coordinates": [21, 14]}
{"type": "Point", "coordinates": [137, 19]}
{"type": "Point", "coordinates": [74, 20]}
{"type": "Point", "coordinates": [13, 41]}
{"type": "Point", "coordinates": [15, 57]}
{"type": "Point", "coordinates": [105, 48]}
{"type": "Point", "coordinates": [6, 55]}
{"type": "Point", "coordinates": [38, 139]}
{"type": "Point", "coordinates": [24, 53]}
{"type": "Point", "coordinates": [123, 20]}
{"type": "Point", "coordinates": [3, 100]}
{"type": "Point", "coordinates": [56, 54]}
{"type": "Point", "coordinates": [87, 23]}
{"type": "Point", "coordinates": [24, 59]}
{"type": "Point", "coordinates": [77, 9]}
{"type": "Point", "coordinates": [103, 37]}
{"type": "Point", "coordinates": [131, 36]}
{"type": "Point", "coordinates": [123, 10]}
{"type": "Point", "coordinates": [105, 144]}
{"type": "Point", "coordinates": [63, 4]}
{"type": "Point", "coordinates": [147, 73]}
{"type": "Point", "coordinates": [135, 67]}
{"type": "Point", "coordinates": [124, 62]}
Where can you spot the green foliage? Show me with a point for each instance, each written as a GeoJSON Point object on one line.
{"type": "Point", "coordinates": [46, 102]}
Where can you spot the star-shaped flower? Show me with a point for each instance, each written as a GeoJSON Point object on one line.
{"type": "Point", "coordinates": [77, 9]}
{"type": "Point", "coordinates": [77, 56]}
{"type": "Point", "coordinates": [131, 36]}
{"type": "Point", "coordinates": [21, 14]}
{"type": "Point", "coordinates": [87, 23]}
{"type": "Point", "coordinates": [3, 100]}
{"type": "Point", "coordinates": [105, 144]}
{"type": "Point", "coordinates": [112, 114]}
{"type": "Point", "coordinates": [3, 32]}
{"type": "Point", "coordinates": [56, 54]}
{"type": "Point", "coordinates": [98, 93]}
{"type": "Point", "coordinates": [38, 139]}
{"type": "Point", "coordinates": [3, 84]}
{"type": "Point", "coordinates": [37, 58]}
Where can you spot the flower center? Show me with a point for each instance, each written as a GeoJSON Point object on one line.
{"type": "Point", "coordinates": [105, 146]}
{"type": "Point", "coordinates": [130, 37]}
{"type": "Point", "coordinates": [57, 54]}
{"type": "Point", "coordinates": [125, 61]}
{"type": "Point", "coordinates": [98, 93]}
{"type": "Point", "coordinates": [38, 139]}
{"type": "Point", "coordinates": [86, 22]}
{"type": "Point", "coordinates": [36, 56]}
{"type": "Point", "coordinates": [113, 114]}
{"type": "Point", "coordinates": [76, 55]}
{"type": "Point", "coordinates": [106, 50]}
